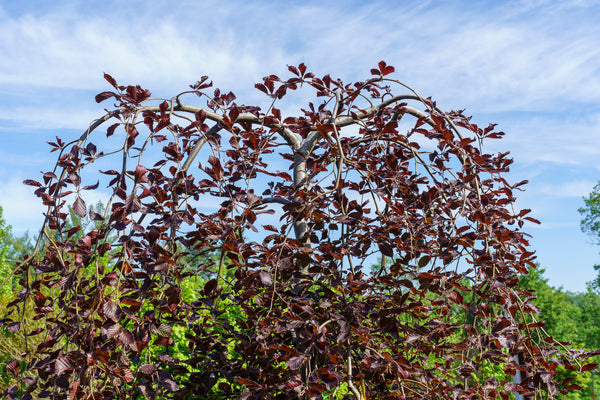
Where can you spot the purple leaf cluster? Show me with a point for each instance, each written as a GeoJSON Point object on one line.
{"type": "Point", "coordinates": [367, 246]}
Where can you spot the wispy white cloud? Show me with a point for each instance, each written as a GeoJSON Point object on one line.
{"type": "Point", "coordinates": [568, 189]}
{"type": "Point", "coordinates": [492, 57]}
{"type": "Point", "coordinates": [489, 58]}
{"type": "Point", "coordinates": [496, 62]}
{"type": "Point", "coordinates": [49, 117]}
{"type": "Point", "coordinates": [72, 50]}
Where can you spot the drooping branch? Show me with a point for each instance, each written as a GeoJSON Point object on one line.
{"type": "Point", "coordinates": [279, 200]}
{"type": "Point", "coordinates": [198, 146]}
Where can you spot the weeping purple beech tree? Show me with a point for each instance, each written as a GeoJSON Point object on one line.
{"type": "Point", "coordinates": [362, 245]}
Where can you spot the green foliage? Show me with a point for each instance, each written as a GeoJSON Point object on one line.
{"type": "Point", "coordinates": [589, 323]}
{"type": "Point", "coordinates": [12, 344]}
{"type": "Point", "coordinates": [590, 223]}
{"type": "Point", "coordinates": [557, 308]}
{"type": "Point", "coordinates": [16, 248]}
{"type": "Point", "coordinates": [569, 317]}
{"type": "Point", "coordinates": [4, 253]}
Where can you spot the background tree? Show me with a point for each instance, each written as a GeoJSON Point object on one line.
{"type": "Point", "coordinates": [590, 224]}
{"type": "Point", "coordinates": [372, 174]}
{"type": "Point", "coordinates": [13, 343]}
{"type": "Point", "coordinates": [572, 318]}
{"type": "Point", "coordinates": [5, 270]}
{"type": "Point", "coordinates": [557, 308]}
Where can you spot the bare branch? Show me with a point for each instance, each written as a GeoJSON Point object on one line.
{"type": "Point", "coordinates": [279, 200]}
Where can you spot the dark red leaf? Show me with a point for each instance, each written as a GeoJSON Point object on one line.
{"type": "Point", "coordinates": [270, 228]}
{"type": "Point", "coordinates": [170, 385]}
{"type": "Point", "coordinates": [94, 216]}
{"type": "Point", "coordinates": [49, 176]}
{"type": "Point", "coordinates": [295, 362]}
{"type": "Point", "coordinates": [261, 87]}
{"type": "Point", "coordinates": [385, 69]}
{"type": "Point", "coordinates": [31, 182]}
{"type": "Point", "coordinates": [247, 382]}
{"type": "Point", "coordinates": [573, 386]}
{"type": "Point", "coordinates": [126, 337]}
{"type": "Point", "coordinates": [127, 375]}
{"type": "Point", "coordinates": [111, 129]}
{"type": "Point", "coordinates": [230, 97]}
{"type": "Point", "coordinates": [210, 286]}
{"type": "Point", "coordinates": [61, 364]}
{"type": "Point", "coordinates": [111, 80]}
{"type": "Point", "coordinates": [13, 366]}
{"type": "Point", "coordinates": [588, 367]}
{"type": "Point", "coordinates": [110, 310]}
{"type": "Point", "coordinates": [100, 97]}
{"type": "Point", "coordinates": [73, 390]}
{"type": "Point", "coordinates": [530, 219]}
{"type": "Point", "coordinates": [101, 355]}
{"type": "Point", "coordinates": [281, 91]}
{"type": "Point", "coordinates": [500, 325]}
{"type": "Point", "coordinates": [165, 330]}
{"type": "Point", "coordinates": [14, 327]}
{"type": "Point", "coordinates": [285, 176]}
{"type": "Point", "coordinates": [266, 278]}
{"type": "Point", "coordinates": [148, 369]}
{"type": "Point", "coordinates": [79, 207]}
{"type": "Point", "coordinates": [140, 172]}
{"type": "Point", "coordinates": [423, 261]}
{"type": "Point", "coordinates": [302, 69]}
{"type": "Point", "coordinates": [386, 249]}
{"type": "Point", "coordinates": [91, 187]}
{"type": "Point", "coordinates": [74, 178]}
{"type": "Point", "coordinates": [111, 330]}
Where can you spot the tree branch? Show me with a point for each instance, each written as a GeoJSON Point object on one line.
{"type": "Point", "coordinates": [279, 200]}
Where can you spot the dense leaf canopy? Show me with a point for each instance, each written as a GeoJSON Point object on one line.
{"type": "Point", "coordinates": [283, 210]}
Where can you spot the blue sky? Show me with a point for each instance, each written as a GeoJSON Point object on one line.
{"type": "Point", "coordinates": [532, 67]}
